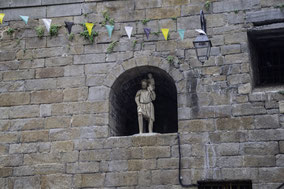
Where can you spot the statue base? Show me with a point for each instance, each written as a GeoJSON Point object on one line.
{"type": "Point", "coordinates": [146, 134]}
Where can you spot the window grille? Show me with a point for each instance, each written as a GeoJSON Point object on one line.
{"type": "Point", "coordinates": [224, 185]}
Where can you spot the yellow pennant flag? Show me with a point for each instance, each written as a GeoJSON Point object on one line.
{"type": "Point", "coordinates": [165, 32]}
{"type": "Point", "coordinates": [89, 27]}
{"type": "Point", "coordinates": [1, 17]}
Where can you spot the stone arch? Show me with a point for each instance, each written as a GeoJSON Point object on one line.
{"type": "Point", "coordinates": [124, 81]}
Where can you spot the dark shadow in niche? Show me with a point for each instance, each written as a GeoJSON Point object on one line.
{"type": "Point", "coordinates": [123, 109]}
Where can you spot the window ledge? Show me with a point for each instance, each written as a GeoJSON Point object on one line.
{"type": "Point", "coordinates": [270, 89]}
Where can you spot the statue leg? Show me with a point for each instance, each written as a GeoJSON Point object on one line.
{"type": "Point", "coordinates": [140, 122]}
{"type": "Point", "coordinates": [150, 126]}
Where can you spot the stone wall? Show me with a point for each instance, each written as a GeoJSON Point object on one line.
{"type": "Point", "coordinates": [54, 100]}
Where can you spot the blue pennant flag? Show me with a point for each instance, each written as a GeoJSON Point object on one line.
{"type": "Point", "coordinates": [69, 25]}
{"type": "Point", "coordinates": [147, 32]}
{"type": "Point", "coordinates": [25, 19]}
{"type": "Point", "coordinates": [109, 29]}
{"type": "Point", "coordinates": [181, 33]}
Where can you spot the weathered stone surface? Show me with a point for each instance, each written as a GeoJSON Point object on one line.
{"type": "Point", "coordinates": [63, 10]}
{"type": "Point", "coordinates": [23, 148]}
{"type": "Point", "coordinates": [27, 111]}
{"type": "Point", "coordinates": [228, 149]}
{"type": "Point", "coordinates": [70, 82]}
{"type": "Point", "coordinates": [156, 152]}
{"type": "Point", "coordinates": [148, 4]}
{"type": "Point", "coordinates": [58, 61]}
{"type": "Point", "coordinates": [83, 167]}
{"type": "Point", "coordinates": [5, 172]}
{"type": "Point", "coordinates": [244, 89]}
{"type": "Point", "coordinates": [265, 16]}
{"type": "Point", "coordinates": [89, 180]}
{"type": "Point", "coordinates": [273, 174]}
{"type": "Point", "coordinates": [95, 155]}
{"type": "Point", "coordinates": [39, 84]}
{"type": "Point", "coordinates": [163, 177]}
{"type": "Point", "coordinates": [47, 169]}
{"type": "Point", "coordinates": [14, 99]}
{"type": "Point", "coordinates": [248, 109]}
{"type": "Point", "coordinates": [159, 13]}
{"type": "Point", "coordinates": [281, 146]}
{"type": "Point", "coordinates": [9, 65]}
{"type": "Point", "coordinates": [18, 75]}
{"type": "Point", "coordinates": [89, 58]}
{"type": "Point", "coordinates": [45, 110]}
{"type": "Point", "coordinates": [267, 121]}
{"type": "Point", "coordinates": [17, 3]}
{"type": "Point", "coordinates": [26, 182]}
{"type": "Point", "coordinates": [56, 181]}
{"type": "Point", "coordinates": [32, 43]}
{"type": "Point", "coordinates": [34, 136]}
{"type": "Point", "coordinates": [196, 126]}
{"type": "Point", "coordinates": [98, 93]}
{"type": "Point", "coordinates": [10, 137]}
{"type": "Point", "coordinates": [35, 12]}
{"type": "Point", "coordinates": [49, 72]}
{"type": "Point", "coordinates": [227, 6]}
{"type": "Point", "coordinates": [260, 148]}
{"type": "Point", "coordinates": [57, 122]}
{"type": "Point", "coordinates": [242, 173]}
{"type": "Point", "coordinates": [138, 165]}
{"type": "Point", "coordinates": [121, 179]}
{"type": "Point", "coordinates": [266, 135]}
{"type": "Point", "coordinates": [46, 96]}
{"type": "Point", "coordinates": [259, 161]}
{"type": "Point", "coordinates": [243, 123]}
{"type": "Point", "coordinates": [62, 146]}
{"type": "Point", "coordinates": [281, 107]}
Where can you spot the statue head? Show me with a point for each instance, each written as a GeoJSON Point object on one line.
{"type": "Point", "coordinates": [150, 75]}
{"type": "Point", "coordinates": [144, 84]}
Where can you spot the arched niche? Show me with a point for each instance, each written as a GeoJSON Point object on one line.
{"type": "Point", "coordinates": [123, 110]}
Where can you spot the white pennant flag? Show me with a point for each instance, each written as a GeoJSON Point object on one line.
{"type": "Point", "coordinates": [47, 23]}
{"type": "Point", "coordinates": [128, 30]}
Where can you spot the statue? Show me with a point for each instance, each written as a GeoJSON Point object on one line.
{"type": "Point", "coordinates": [145, 107]}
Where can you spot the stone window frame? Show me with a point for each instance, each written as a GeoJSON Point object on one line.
{"type": "Point", "coordinates": [177, 76]}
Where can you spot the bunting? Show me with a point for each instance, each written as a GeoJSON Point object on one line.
{"type": "Point", "coordinates": [47, 23]}
{"type": "Point", "coordinates": [69, 25]}
{"type": "Point", "coordinates": [109, 29]}
{"type": "Point", "coordinates": [181, 33]}
{"type": "Point", "coordinates": [2, 17]}
{"type": "Point", "coordinates": [128, 30]}
{"type": "Point", "coordinates": [89, 27]}
{"type": "Point", "coordinates": [25, 19]}
{"type": "Point", "coordinates": [165, 32]}
{"type": "Point", "coordinates": [147, 32]}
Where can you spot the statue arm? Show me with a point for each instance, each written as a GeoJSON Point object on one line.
{"type": "Point", "coordinates": [153, 95]}
{"type": "Point", "coordinates": [137, 98]}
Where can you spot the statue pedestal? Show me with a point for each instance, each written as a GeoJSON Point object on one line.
{"type": "Point", "coordinates": [146, 134]}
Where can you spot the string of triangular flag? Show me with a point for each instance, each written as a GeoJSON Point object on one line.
{"type": "Point", "coordinates": [25, 19]}
{"type": "Point", "coordinates": [165, 32]}
{"type": "Point", "coordinates": [147, 32]}
{"type": "Point", "coordinates": [89, 26]}
{"type": "Point", "coordinates": [69, 25]}
{"type": "Point", "coordinates": [128, 30]}
{"type": "Point", "coordinates": [109, 29]}
{"type": "Point", "coordinates": [2, 17]}
{"type": "Point", "coordinates": [47, 23]}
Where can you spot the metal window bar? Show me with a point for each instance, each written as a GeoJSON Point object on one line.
{"type": "Point", "coordinates": [225, 185]}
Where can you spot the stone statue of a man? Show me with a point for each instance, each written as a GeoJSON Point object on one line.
{"type": "Point", "coordinates": [145, 107]}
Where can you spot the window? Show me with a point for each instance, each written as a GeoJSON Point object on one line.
{"type": "Point", "coordinates": [267, 55]}
{"type": "Point", "coordinates": [123, 109]}
{"type": "Point", "coordinates": [225, 185]}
